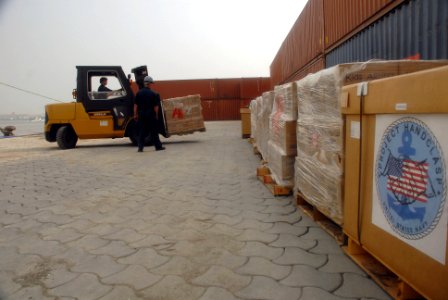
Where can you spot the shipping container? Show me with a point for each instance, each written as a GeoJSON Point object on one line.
{"type": "Point", "coordinates": [417, 29]}
{"type": "Point", "coordinates": [221, 109]}
{"type": "Point", "coordinates": [303, 43]}
{"type": "Point", "coordinates": [228, 88]}
{"type": "Point", "coordinates": [229, 109]}
{"type": "Point", "coordinates": [313, 67]}
{"type": "Point", "coordinates": [342, 17]}
{"type": "Point", "coordinates": [179, 88]}
{"type": "Point", "coordinates": [251, 88]}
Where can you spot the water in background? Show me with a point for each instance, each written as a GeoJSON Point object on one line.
{"type": "Point", "coordinates": [24, 127]}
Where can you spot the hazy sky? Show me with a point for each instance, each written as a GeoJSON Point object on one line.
{"type": "Point", "coordinates": [43, 40]}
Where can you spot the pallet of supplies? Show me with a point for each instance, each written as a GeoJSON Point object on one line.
{"type": "Point", "coordinates": [183, 115]}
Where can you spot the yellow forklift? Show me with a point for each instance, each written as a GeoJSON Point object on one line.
{"type": "Point", "coordinates": [98, 114]}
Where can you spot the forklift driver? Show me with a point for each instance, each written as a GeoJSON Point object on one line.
{"type": "Point", "coordinates": [103, 87]}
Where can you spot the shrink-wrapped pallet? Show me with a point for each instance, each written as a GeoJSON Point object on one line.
{"type": "Point", "coordinates": [253, 106]}
{"type": "Point", "coordinates": [318, 170]}
{"type": "Point", "coordinates": [264, 113]}
{"type": "Point", "coordinates": [282, 121]}
{"type": "Point", "coordinates": [281, 165]}
{"type": "Point", "coordinates": [183, 115]}
{"type": "Point", "coordinates": [282, 134]}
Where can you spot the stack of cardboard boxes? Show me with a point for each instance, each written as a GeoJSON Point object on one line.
{"type": "Point", "coordinates": [183, 115]}
{"type": "Point", "coordinates": [319, 161]}
{"type": "Point", "coordinates": [282, 134]}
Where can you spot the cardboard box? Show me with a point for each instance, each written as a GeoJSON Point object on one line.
{"type": "Point", "coordinates": [281, 165]}
{"type": "Point", "coordinates": [245, 122]}
{"type": "Point", "coordinates": [183, 115]}
{"type": "Point", "coordinates": [397, 216]}
{"type": "Point", "coordinates": [283, 134]}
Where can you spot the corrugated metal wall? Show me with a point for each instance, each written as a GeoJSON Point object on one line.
{"type": "Point", "coordinates": [418, 28]}
{"type": "Point", "coordinates": [221, 98]}
{"type": "Point", "coordinates": [303, 43]}
{"type": "Point", "coordinates": [342, 16]}
{"type": "Point", "coordinates": [359, 30]}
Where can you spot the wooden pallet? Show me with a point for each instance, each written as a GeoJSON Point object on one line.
{"type": "Point", "coordinates": [320, 218]}
{"type": "Point", "coordinates": [385, 278]}
{"type": "Point", "coordinates": [264, 175]}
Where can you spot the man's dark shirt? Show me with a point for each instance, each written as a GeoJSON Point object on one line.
{"type": "Point", "coordinates": [103, 88]}
{"type": "Point", "coordinates": [146, 99]}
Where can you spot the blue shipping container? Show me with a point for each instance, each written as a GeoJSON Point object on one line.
{"type": "Point", "coordinates": [418, 28]}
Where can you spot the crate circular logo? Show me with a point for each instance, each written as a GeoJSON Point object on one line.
{"type": "Point", "coordinates": [410, 178]}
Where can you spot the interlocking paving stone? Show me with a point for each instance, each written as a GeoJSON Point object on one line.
{"type": "Point", "coordinates": [147, 227]}
{"type": "Point", "coordinates": [339, 263]}
{"type": "Point", "coordinates": [358, 286]}
{"type": "Point", "coordinates": [102, 265]}
{"type": "Point", "coordinates": [253, 224]}
{"type": "Point", "coordinates": [260, 250]}
{"type": "Point", "coordinates": [263, 267]}
{"type": "Point", "coordinates": [86, 286]}
{"type": "Point", "coordinates": [88, 242]}
{"type": "Point", "coordinates": [173, 287]}
{"type": "Point", "coordinates": [228, 220]}
{"type": "Point", "coordinates": [293, 256]}
{"type": "Point", "coordinates": [180, 266]}
{"type": "Point", "coordinates": [7, 284]}
{"type": "Point", "coordinates": [257, 236]}
{"type": "Point", "coordinates": [126, 235]}
{"type": "Point", "coordinates": [222, 257]}
{"type": "Point", "coordinates": [267, 288]}
{"type": "Point", "coordinates": [316, 233]}
{"type": "Point", "coordinates": [291, 218]}
{"type": "Point", "coordinates": [215, 293]}
{"type": "Point", "coordinates": [316, 293]}
{"type": "Point", "coordinates": [222, 277]}
{"type": "Point", "coordinates": [326, 247]}
{"type": "Point", "coordinates": [60, 235]}
{"type": "Point", "coordinates": [288, 240]}
{"type": "Point", "coordinates": [34, 292]}
{"type": "Point", "coordinates": [145, 257]}
{"type": "Point", "coordinates": [307, 276]}
{"type": "Point", "coordinates": [115, 249]}
{"type": "Point", "coordinates": [282, 227]}
{"type": "Point", "coordinates": [155, 241]}
{"type": "Point", "coordinates": [120, 292]}
{"type": "Point", "coordinates": [135, 276]}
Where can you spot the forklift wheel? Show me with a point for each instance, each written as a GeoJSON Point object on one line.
{"type": "Point", "coordinates": [66, 137]}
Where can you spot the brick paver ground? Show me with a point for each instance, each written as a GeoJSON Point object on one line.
{"type": "Point", "coordinates": [104, 222]}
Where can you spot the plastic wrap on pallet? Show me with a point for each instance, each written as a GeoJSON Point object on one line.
{"type": "Point", "coordinates": [253, 106]}
{"type": "Point", "coordinates": [320, 184]}
{"type": "Point", "coordinates": [285, 101]}
{"type": "Point", "coordinates": [320, 126]}
{"type": "Point", "coordinates": [280, 165]}
{"type": "Point", "coordinates": [183, 115]}
{"type": "Point", "coordinates": [282, 122]}
{"type": "Point", "coordinates": [264, 113]}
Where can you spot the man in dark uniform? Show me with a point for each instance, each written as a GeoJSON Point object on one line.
{"type": "Point", "coordinates": [146, 112]}
{"type": "Point", "coordinates": [103, 87]}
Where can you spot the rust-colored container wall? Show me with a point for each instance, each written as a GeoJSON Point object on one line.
{"type": "Point", "coordinates": [178, 88]}
{"type": "Point", "coordinates": [221, 98]}
{"type": "Point", "coordinates": [303, 43]}
{"type": "Point", "coordinates": [221, 109]}
{"type": "Point", "coordinates": [228, 88]}
{"type": "Point", "coordinates": [342, 16]}
{"type": "Point", "coordinates": [254, 87]}
{"type": "Point", "coordinates": [323, 25]}
{"type": "Point", "coordinates": [313, 67]}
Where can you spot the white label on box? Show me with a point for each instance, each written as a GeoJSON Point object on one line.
{"type": "Point", "coordinates": [401, 106]}
{"type": "Point", "coordinates": [104, 123]}
{"type": "Point", "coordinates": [355, 130]}
{"type": "Point", "coordinates": [410, 181]}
